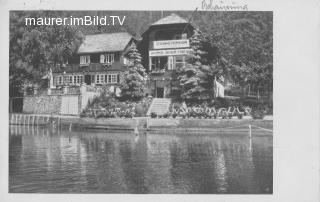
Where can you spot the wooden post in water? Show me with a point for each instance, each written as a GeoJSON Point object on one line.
{"type": "Point", "coordinates": [250, 132]}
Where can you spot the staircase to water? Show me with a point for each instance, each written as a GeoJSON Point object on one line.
{"type": "Point", "coordinates": [159, 106]}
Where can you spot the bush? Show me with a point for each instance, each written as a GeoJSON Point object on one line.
{"type": "Point", "coordinates": [258, 113]}
{"type": "Point", "coordinates": [166, 115]}
{"type": "Point", "coordinates": [153, 115]}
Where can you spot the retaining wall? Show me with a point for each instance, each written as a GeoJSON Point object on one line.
{"type": "Point", "coordinates": [42, 104]}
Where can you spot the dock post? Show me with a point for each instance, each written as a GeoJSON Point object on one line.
{"type": "Point", "coordinates": [250, 132]}
{"type": "Point", "coordinates": [70, 127]}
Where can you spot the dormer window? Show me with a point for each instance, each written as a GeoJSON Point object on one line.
{"type": "Point", "coordinates": [107, 58]}
{"type": "Point", "coordinates": [184, 36]}
{"type": "Point", "coordinates": [84, 59]}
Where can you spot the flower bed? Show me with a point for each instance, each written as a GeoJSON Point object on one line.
{"type": "Point", "coordinates": [112, 108]}
{"type": "Point", "coordinates": [204, 112]}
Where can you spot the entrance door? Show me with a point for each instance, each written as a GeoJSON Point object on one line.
{"type": "Point", "coordinates": [87, 79]}
{"type": "Point", "coordinates": [160, 92]}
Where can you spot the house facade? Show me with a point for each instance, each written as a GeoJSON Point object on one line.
{"type": "Point", "coordinates": [100, 61]}
{"type": "Point", "coordinates": [165, 47]}
{"type": "Point", "coordinates": [102, 58]}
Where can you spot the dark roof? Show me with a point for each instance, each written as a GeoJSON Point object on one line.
{"type": "Point", "coordinates": [170, 19]}
{"type": "Point", "coordinates": [108, 42]}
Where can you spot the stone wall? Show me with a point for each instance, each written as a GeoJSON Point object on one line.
{"type": "Point", "coordinates": [42, 104]}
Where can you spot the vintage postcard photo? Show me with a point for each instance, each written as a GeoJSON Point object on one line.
{"type": "Point", "coordinates": [141, 102]}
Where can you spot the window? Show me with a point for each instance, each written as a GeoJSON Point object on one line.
{"type": "Point", "coordinates": [66, 79]}
{"type": "Point", "coordinates": [179, 61]}
{"type": "Point", "coordinates": [97, 78]}
{"type": "Point", "coordinates": [102, 58]}
{"type": "Point", "coordinates": [159, 63]}
{"type": "Point", "coordinates": [177, 36]}
{"type": "Point", "coordinates": [112, 78]}
{"type": "Point", "coordinates": [184, 36]}
{"type": "Point", "coordinates": [100, 78]}
{"type": "Point", "coordinates": [106, 58]}
{"type": "Point", "coordinates": [84, 59]}
{"type": "Point", "coordinates": [59, 80]}
{"type": "Point", "coordinates": [79, 79]}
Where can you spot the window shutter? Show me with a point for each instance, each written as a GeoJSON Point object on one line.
{"type": "Point", "coordinates": [118, 78]}
{"type": "Point", "coordinates": [88, 59]}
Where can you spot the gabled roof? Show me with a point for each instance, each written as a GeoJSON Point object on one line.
{"type": "Point", "coordinates": [170, 19]}
{"type": "Point", "coordinates": [108, 42]}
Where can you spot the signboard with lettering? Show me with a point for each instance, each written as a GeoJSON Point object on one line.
{"type": "Point", "coordinates": [183, 43]}
{"type": "Point", "coordinates": [153, 53]}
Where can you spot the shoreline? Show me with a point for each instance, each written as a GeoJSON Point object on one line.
{"type": "Point", "coordinates": [176, 125]}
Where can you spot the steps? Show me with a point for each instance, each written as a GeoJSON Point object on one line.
{"type": "Point", "coordinates": [159, 106]}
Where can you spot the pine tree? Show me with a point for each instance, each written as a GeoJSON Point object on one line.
{"type": "Point", "coordinates": [132, 86]}
{"type": "Point", "coordinates": [190, 75]}
{"type": "Point", "coordinates": [135, 60]}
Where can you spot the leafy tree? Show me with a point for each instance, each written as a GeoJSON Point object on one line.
{"type": "Point", "coordinates": [35, 49]}
{"type": "Point", "coordinates": [132, 85]}
{"type": "Point", "coordinates": [244, 39]}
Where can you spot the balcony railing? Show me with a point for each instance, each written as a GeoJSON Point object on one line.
{"type": "Point", "coordinates": [90, 67]}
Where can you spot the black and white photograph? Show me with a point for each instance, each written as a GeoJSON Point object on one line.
{"type": "Point", "coordinates": [216, 99]}
{"type": "Point", "coordinates": [141, 102]}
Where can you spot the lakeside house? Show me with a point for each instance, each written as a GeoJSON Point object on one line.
{"type": "Point", "coordinates": [164, 47]}
{"type": "Point", "coordinates": [101, 59]}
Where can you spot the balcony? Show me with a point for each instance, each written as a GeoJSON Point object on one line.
{"type": "Point", "coordinates": [90, 67]}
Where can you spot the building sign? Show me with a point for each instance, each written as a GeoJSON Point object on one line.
{"type": "Point", "coordinates": [183, 43]}
{"type": "Point", "coordinates": [169, 52]}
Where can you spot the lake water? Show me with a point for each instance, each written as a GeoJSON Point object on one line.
{"type": "Point", "coordinates": [48, 161]}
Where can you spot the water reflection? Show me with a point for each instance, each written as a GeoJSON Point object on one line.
{"type": "Point", "coordinates": [43, 160]}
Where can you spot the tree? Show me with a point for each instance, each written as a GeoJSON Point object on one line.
{"type": "Point", "coordinates": [244, 39]}
{"type": "Point", "coordinates": [203, 64]}
{"type": "Point", "coordinates": [189, 76]}
{"type": "Point", "coordinates": [132, 85]}
{"type": "Point", "coordinates": [35, 49]}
